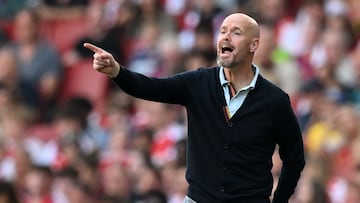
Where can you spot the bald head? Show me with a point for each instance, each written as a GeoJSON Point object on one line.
{"type": "Point", "coordinates": [249, 24]}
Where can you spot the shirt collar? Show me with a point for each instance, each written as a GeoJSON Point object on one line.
{"type": "Point", "coordinates": [251, 85]}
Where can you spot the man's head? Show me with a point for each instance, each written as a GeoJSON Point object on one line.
{"type": "Point", "coordinates": [237, 41]}
{"type": "Point", "coordinates": [27, 26]}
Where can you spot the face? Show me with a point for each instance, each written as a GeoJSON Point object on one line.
{"type": "Point", "coordinates": [26, 28]}
{"type": "Point", "coordinates": [237, 41]}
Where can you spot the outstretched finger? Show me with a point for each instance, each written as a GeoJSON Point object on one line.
{"type": "Point", "coordinates": [93, 48]}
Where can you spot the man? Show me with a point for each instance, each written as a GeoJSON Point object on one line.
{"type": "Point", "coordinates": [39, 62]}
{"type": "Point", "coordinates": [235, 119]}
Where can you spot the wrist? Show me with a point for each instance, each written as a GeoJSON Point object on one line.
{"type": "Point", "coordinates": [115, 72]}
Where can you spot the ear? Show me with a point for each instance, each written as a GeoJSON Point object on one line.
{"type": "Point", "coordinates": [254, 45]}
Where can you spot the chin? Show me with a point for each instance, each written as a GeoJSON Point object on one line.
{"type": "Point", "coordinates": [225, 62]}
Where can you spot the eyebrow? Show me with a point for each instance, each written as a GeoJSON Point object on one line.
{"type": "Point", "coordinates": [232, 28]}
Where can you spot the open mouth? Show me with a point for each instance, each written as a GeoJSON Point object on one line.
{"type": "Point", "coordinates": [226, 48]}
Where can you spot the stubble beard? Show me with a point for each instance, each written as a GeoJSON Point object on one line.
{"type": "Point", "coordinates": [225, 63]}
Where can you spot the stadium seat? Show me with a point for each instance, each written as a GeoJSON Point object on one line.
{"type": "Point", "coordinates": [82, 80]}
{"type": "Point", "coordinates": [64, 33]}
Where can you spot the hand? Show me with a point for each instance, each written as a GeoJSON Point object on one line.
{"type": "Point", "coordinates": [103, 61]}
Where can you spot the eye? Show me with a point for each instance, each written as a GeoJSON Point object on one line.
{"type": "Point", "coordinates": [237, 33]}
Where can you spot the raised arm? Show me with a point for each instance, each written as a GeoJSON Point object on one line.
{"type": "Point", "coordinates": [103, 61]}
{"type": "Point", "coordinates": [167, 90]}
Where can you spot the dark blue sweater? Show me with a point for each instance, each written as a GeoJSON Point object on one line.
{"type": "Point", "coordinates": [229, 160]}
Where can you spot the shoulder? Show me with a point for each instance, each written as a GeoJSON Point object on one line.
{"type": "Point", "coordinates": [201, 73]}
{"type": "Point", "coordinates": [271, 90]}
{"type": "Point", "coordinates": [208, 71]}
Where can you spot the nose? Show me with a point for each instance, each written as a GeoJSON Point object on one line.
{"type": "Point", "coordinates": [226, 36]}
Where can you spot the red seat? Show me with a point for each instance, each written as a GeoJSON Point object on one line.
{"type": "Point", "coordinates": [82, 80]}
{"type": "Point", "coordinates": [64, 33]}
{"type": "Point", "coordinates": [7, 26]}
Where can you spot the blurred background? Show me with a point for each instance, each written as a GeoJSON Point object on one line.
{"type": "Point", "coordinates": [68, 135]}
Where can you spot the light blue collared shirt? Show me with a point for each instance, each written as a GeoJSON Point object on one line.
{"type": "Point", "coordinates": [238, 99]}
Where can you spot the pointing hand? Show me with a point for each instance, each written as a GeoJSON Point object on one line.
{"type": "Point", "coordinates": [103, 61]}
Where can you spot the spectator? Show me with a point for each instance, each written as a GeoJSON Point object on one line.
{"type": "Point", "coordinates": [72, 121]}
{"type": "Point", "coordinates": [203, 38]}
{"type": "Point", "coordinates": [308, 104]}
{"type": "Point", "coordinates": [271, 11]}
{"type": "Point", "coordinates": [97, 33]}
{"type": "Point", "coordinates": [167, 132]}
{"type": "Point", "coordinates": [309, 191]}
{"type": "Point", "coordinates": [200, 22]}
{"type": "Point", "coordinates": [38, 182]}
{"type": "Point", "coordinates": [118, 111]}
{"type": "Point", "coordinates": [148, 181]}
{"type": "Point", "coordinates": [62, 182]}
{"type": "Point", "coordinates": [335, 73]}
{"type": "Point", "coordinates": [151, 12]}
{"type": "Point", "coordinates": [87, 167]}
{"type": "Point", "coordinates": [198, 58]}
{"type": "Point", "coordinates": [39, 62]}
{"type": "Point", "coordinates": [116, 183]}
{"type": "Point", "coordinates": [284, 73]}
{"type": "Point", "coordinates": [118, 147]}
{"type": "Point", "coordinates": [15, 123]}
{"type": "Point", "coordinates": [145, 58]}
{"type": "Point", "coordinates": [9, 77]}
{"type": "Point", "coordinates": [80, 192]}
{"type": "Point", "coordinates": [304, 28]}
{"type": "Point", "coordinates": [342, 162]}
{"type": "Point", "coordinates": [171, 55]}
{"type": "Point", "coordinates": [68, 153]}
{"type": "Point", "coordinates": [322, 136]}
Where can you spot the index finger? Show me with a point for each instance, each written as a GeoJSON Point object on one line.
{"type": "Point", "coordinates": [93, 48]}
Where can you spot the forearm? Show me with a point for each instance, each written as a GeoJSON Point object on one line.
{"type": "Point", "coordinates": [167, 90]}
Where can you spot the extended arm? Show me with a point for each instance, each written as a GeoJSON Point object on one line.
{"type": "Point", "coordinates": [168, 90]}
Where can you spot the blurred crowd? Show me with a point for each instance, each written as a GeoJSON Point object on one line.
{"type": "Point", "coordinates": [68, 135]}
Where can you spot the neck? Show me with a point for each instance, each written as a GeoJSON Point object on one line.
{"type": "Point", "coordinates": [239, 77]}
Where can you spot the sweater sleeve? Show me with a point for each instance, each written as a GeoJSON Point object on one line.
{"type": "Point", "coordinates": [171, 89]}
{"type": "Point", "coordinates": [291, 151]}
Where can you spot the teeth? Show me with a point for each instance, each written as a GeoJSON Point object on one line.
{"type": "Point", "coordinates": [226, 48]}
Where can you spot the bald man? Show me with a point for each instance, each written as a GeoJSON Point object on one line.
{"type": "Point", "coordinates": [235, 119]}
